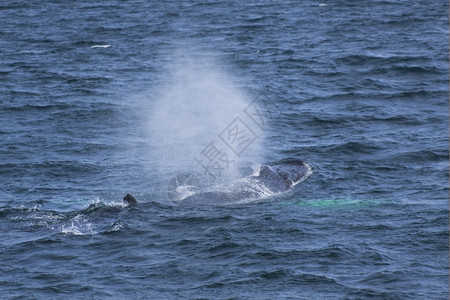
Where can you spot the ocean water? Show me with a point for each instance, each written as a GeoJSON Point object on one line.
{"type": "Point", "coordinates": [102, 99]}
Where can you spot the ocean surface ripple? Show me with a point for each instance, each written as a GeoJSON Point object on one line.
{"type": "Point", "coordinates": [357, 89]}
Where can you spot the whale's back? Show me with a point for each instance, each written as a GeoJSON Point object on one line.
{"type": "Point", "coordinates": [271, 180]}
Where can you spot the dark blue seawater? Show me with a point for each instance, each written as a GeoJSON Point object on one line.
{"type": "Point", "coordinates": [359, 89]}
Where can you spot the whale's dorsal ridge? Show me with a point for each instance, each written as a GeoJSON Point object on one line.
{"type": "Point", "coordinates": [184, 189]}
{"type": "Point", "coordinates": [272, 179]}
{"type": "Point", "coordinates": [267, 172]}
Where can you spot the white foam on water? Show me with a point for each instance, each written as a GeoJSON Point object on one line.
{"type": "Point", "coordinates": [78, 225]}
{"type": "Point", "coordinates": [101, 46]}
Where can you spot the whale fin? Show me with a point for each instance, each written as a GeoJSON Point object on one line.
{"type": "Point", "coordinates": [130, 200]}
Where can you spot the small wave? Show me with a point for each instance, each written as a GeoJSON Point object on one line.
{"type": "Point", "coordinates": [117, 226]}
{"type": "Point", "coordinates": [409, 70]}
{"type": "Point", "coordinates": [23, 93]}
{"type": "Point", "coordinates": [101, 46]}
{"type": "Point", "coordinates": [383, 277]}
{"type": "Point", "coordinates": [14, 212]}
{"type": "Point", "coordinates": [422, 156]}
{"type": "Point", "coordinates": [35, 107]}
{"type": "Point", "coordinates": [379, 59]}
{"type": "Point", "coordinates": [331, 120]}
{"type": "Point", "coordinates": [355, 147]}
{"type": "Point", "coordinates": [51, 168]}
{"type": "Point", "coordinates": [33, 51]}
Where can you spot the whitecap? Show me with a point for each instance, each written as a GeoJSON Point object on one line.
{"type": "Point", "coordinates": [78, 226]}
{"type": "Point", "coordinates": [98, 202]}
{"type": "Point", "coordinates": [117, 226]}
{"type": "Point", "coordinates": [101, 46]}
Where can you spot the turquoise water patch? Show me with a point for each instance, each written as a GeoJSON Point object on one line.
{"type": "Point", "coordinates": [334, 203]}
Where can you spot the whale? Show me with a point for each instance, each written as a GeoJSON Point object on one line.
{"type": "Point", "coordinates": [129, 200]}
{"type": "Point", "coordinates": [268, 181]}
